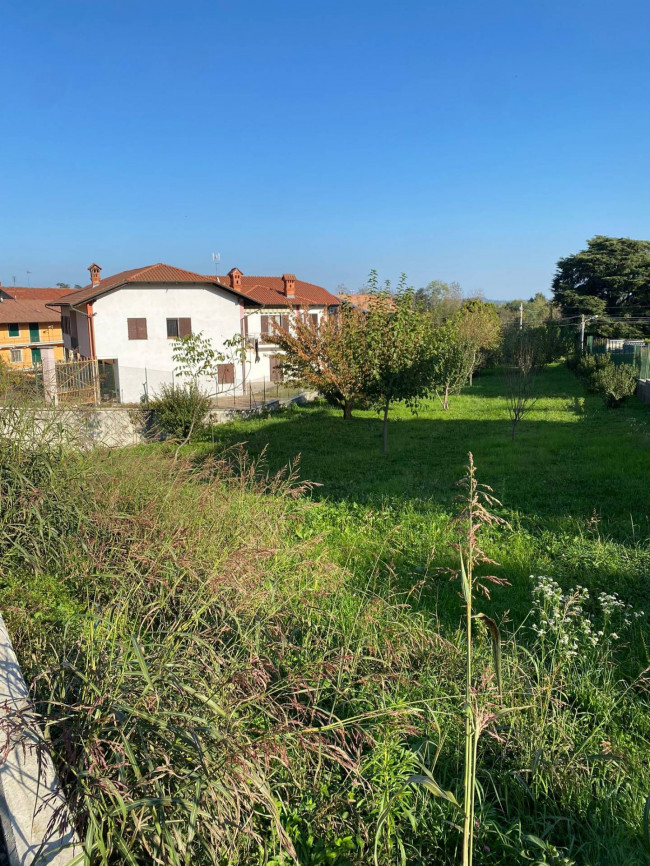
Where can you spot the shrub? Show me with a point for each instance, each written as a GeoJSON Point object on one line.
{"type": "Point", "coordinates": [615, 383]}
{"type": "Point", "coordinates": [180, 410]}
{"type": "Point", "coordinates": [589, 366]}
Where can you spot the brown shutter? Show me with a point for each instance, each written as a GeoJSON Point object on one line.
{"type": "Point", "coordinates": [284, 322]}
{"type": "Point", "coordinates": [265, 325]}
{"type": "Point", "coordinates": [245, 325]}
{"type": "Point", "coordinates": [314, 319]}
{"type": "Point", "coordinates": [184, 327]}
{"type": "Point", "coordinates": [226, 374]}
{"type": "Point", "coordinates": [137, 329]}
{"type": "Point", "coordinates": [276, 373]}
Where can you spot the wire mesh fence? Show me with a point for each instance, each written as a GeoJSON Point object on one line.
{"type": "Point", "coordinates": [634, 352]}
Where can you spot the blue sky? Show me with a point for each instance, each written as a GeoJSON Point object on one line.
{"type": "Point", "coordinates": [467, 141]}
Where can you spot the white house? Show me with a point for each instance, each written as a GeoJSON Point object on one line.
{"type": "Point", "coordinates": [274, 299]}
{"type": "Point", "coordinates": [128, 321]}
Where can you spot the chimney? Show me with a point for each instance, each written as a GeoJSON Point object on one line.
{"type": "Point", "coordinates": [95, 274]}
{"type": "Point", "coordinates": [289, 281]}
{"type": "Point", "coordinates": [235, 278]}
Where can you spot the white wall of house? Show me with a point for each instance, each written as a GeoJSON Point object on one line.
{"type": "Point", "coordinates": [148, 363]}
{"type": "Point", "coordinates": [260, 369]}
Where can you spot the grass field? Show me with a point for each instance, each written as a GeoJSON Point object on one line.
{"type": "Point", "coordinates": [573, 484]}
{"type": "Point", "coordinates": [238, 668]}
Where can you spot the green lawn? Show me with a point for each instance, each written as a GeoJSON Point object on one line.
{"type": "Point", "coordinates": [237, 672]}
{"type": "Point", "coordinates": [573, 483]}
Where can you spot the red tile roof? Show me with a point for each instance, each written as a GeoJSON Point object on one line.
{"type": "Point", "coordinates": [26, 293]}
{"type": "Point", "coordinates": [269, 291]}
{"type": "Point", "coordinates": [158, 273]}
{"type": "Point", "coordinates": [23, 311]}
{"type": "Point", "coordinates": [360, 300]}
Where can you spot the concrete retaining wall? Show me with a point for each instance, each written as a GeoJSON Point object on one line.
{"type": "Point", "coordinates": [33, 814]}
{"type": "Point", "coordinates": [643, 390]}
{"type": "Point", "coordinates": [109, 427]}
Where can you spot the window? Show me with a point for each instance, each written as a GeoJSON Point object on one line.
{"type": "Point", "coordinates": [34, 332]}
{"type": "Point", "coordinates": [314, 319]}
{"type": "Point", "coordinates": [36, 356]}
{"type": "Point", "coordinates": [276, 370]}
{"type": "Point", "coordinates": [14, 329]}
{"type": "Point", "coordinates": [269, 323]}
{"type": "Point", "coordinates": [65, 324]}
{"type": "Point", "coordinates": [178, 328]}
{"type": "Point", "coordinates": [16, 356]}
{"type": "Point", "coordinates": [137, 329]}
{"type": "Point", "coordinates": [226, 374]}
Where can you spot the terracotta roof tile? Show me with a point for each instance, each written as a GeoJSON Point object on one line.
{"type": "Point", "coordinates": [21, 311]}
{"type": "Point", "coordinates": [269, 291]}
{"type": "Point", "coordinates": [26, 293]}
{"type": "Point", "coordinates": [158, 273]}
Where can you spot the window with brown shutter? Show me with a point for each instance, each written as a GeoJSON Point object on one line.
{"type": "Point", "coordinates": [314, 319]}
{"type": "Point", "coordinates": [284, 323]}
{"type": "Point", "coordinates": [137, 329]}
{"type": "Point", "coordinates": [184, 327]}
{"type": "Point", "coordinates": [276, 372]}
{"type": "Point", "coordinates": [265, 326]}
{"type": "Point", "coordinates": [226, 374]}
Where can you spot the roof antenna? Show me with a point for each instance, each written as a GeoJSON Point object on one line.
{"type": "Point", "coordinates": [29, 282]}
{"type": "Point", "coordinates": [216, 258]}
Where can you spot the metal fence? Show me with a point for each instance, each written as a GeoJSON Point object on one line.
{"type": "Point", "coordinates": [634, 352]}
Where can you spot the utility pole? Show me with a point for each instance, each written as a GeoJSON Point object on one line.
{"type": "Point", "coordinates": [521, 315]}
{"type": "Point", "coordinates": [582, 333]}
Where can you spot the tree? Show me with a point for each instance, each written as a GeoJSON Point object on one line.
{"type": "Point", "coordinates": [329, 356]}
{"type": "Point", "coordinates": [400, 347]}
{"type": "Point", "coordinates": [479, 327]}
{"type": "Point", "coordinates": [454, 359]}
{"type": "Point", "coordinates": [63, 285]}
{"type": "Point", "coordinates": [441, 300]}
{"type": "Point", "coordinates": [611, 278]}
{"type": "Point", "coordinates": [520, 373]}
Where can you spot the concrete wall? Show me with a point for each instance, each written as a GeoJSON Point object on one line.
{"type": "Point", "coordinates": [643, 390]}
{"type": "Point", "coordinates": [32, 808]}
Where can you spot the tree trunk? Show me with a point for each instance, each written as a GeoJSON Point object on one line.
{"type": "Point", "coordinates": [471, 377]}
{"type": "Point", "coordinates": [384, 446]}
{"type": "Point", "coordinates": [347, 410]}
{"type": "Point", "coordinates": [445, 404]}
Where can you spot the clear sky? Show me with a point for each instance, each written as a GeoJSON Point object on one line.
{"type": "Point", "coordinates": [458, 140]}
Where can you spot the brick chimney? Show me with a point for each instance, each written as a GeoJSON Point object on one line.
{"type": "Point", "coordinates": [289, 281]}
{"type": "Point", "coordinates": [235, 278]}
{"type": "Point", "coordinates": [95, 274]}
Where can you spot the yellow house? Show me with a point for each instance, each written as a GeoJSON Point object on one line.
{"type": "Point", "coordinates": [27, 325]}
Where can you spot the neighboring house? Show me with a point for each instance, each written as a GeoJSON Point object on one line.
{"type": "Point", "coordinates": [273, 300]}
{"type": "Point", "coordinates": [130, 319]}
{"type": "Point", "coordinates": [360, 301]}
{"type": "Point", "coordinates": [27, 325]}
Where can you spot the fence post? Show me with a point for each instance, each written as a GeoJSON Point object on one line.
{"type": "Point", "coordinates": [95, 375]}
{"type": "Point", "coordinates": [48, 371]}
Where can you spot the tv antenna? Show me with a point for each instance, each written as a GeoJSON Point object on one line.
{"type": "Point", "coordinates": [216, 258]}
{"type": "Point", "coordinates": [29, 282]}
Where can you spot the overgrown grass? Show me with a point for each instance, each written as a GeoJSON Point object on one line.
{"type": "Point", "coordinates": [237, 669]}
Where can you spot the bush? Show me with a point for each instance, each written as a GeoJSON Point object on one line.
{"type": "Point", "coordinates": [589, 366]}
{"type": "Point", "coordinates": [615, 383]}
{"type": "Point", "coordinates": [180, 410]}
